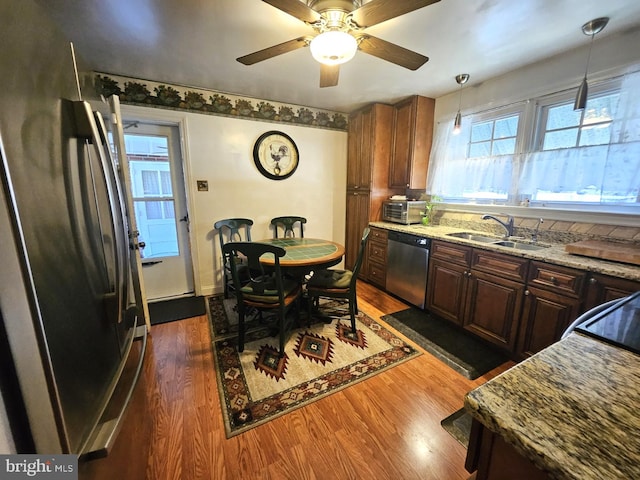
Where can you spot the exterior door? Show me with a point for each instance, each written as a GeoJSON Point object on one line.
{"type": "Point", "coordinates": [160, 206]}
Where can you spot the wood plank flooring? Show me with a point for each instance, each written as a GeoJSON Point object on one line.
{"type": "Point", "coordinates": [386, 427]}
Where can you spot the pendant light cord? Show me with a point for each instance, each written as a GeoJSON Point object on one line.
{"type": "Point", "coordinates": [586, 70]}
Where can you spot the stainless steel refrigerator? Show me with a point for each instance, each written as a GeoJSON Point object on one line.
{"type": "Point", "coordinates": [67, 314]}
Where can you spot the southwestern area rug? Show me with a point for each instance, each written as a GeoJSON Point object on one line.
{"type": "Point", "coordinates": [256, 386]}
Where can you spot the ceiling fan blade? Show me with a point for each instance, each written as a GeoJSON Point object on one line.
{"type": "Point", "coordinates": [391, 52]}
{"type": "Point", "coordinates": [378, 11]}
{"type": "Point", "coordinates": [329, 75]}
{"type": "Point", "coordinates": [274, 51]}
{"type": "Point", "coordinates": [295, 8]}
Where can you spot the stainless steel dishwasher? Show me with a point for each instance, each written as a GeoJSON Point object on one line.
{"type": "Point", "coordinates": [407, 265]}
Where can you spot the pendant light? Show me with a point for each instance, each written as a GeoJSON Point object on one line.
{"type": "Point", "coordinates": [457, 124]}
{"type": "Point", "coordinates": [590, 28]}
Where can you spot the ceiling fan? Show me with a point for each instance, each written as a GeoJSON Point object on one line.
{"type": "Point", "coordinates": [340, 28]}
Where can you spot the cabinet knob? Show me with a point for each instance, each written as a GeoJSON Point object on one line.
{"type": "Point", "coordinates": [593, 281]}
{"type": "Point", "coordinates": [527, 293]}
{"type": "Point", "coordinates": [553, 280]}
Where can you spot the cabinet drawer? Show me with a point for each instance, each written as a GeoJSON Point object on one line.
{"type": "Point", "coordinates": [559, 279]}
{"type": "Point", "coordinates": [378, 252]}
{"type": "Point", "coordinates": [377, 274]}
{"type": "Point", "coordinates": [504, 266]}
{"type": "Point", "coordinates": [378, 235]}
{"type": "Point", "coordinates": [451, 252]}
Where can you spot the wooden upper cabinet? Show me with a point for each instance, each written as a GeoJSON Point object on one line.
{"type": "Point", "coordinates": [412, 136]}
{"type": "Point", "coordinates": [369, 146]}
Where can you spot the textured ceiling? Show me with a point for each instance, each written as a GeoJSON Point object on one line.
{"type": "Point", "coordinates": [195, 43]}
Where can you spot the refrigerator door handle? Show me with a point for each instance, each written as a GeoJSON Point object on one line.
{"type": "Point", "coordinates": [87, 127]}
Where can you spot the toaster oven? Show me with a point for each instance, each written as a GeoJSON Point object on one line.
{"type": "Point", "coordinates": [403, 211]}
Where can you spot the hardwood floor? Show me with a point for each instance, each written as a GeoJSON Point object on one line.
{"type": "Point", "coordinates": [386, 427]}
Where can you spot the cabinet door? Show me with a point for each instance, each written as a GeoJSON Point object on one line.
{"type": "Point", "coordinates": [357, 217]}
{"type": "Point", "coordinates": [493, 306]}
{"type": "Point", "coordinates": [412, 136]}
{"type": "Point", "coordinates": [360, 149]}
{"type": "Point", "coordinates": [446, 289]}
{"type": "Point", "coordinates": [402, 145]}
{"type": "Point", "coordinates": [601, 289]}
{"type": "Point", "coordinates": [545, 317]}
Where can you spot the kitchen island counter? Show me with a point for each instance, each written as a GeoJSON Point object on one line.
{"type": "Point", "coordinates": [571, 410]}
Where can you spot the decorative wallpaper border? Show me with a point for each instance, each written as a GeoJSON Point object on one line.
{"type": "Point", "coordinates": [153, 94]}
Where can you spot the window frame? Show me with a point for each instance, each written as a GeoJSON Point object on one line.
{"type": "Point", "coordinates": [543, 104]}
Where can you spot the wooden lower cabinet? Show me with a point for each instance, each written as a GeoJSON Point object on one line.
{"type": "Point", "coordinates": [479, 290]}
{"type": "Point", "coordinates": [493, 308]}
{"type": "Point", "coordinates": [446, 290]}
{"type": "Point", "coordinates": [492, 458]}
{"type": "Point", "coordinates": [449, 266]}
{"type": "Point", "coordinates": [602, 288]}
{"type": "Point", "coordinates": [552, 301]}
{"type": "Point", "coordinates": [545, 316]}
{"type": "Point", "coordinates": [377, 257]}
{"type": "Point", "coordinates": [520, 305]}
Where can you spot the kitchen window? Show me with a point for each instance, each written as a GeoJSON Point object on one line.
{"type": "Point", "coordinates": [588, 159]}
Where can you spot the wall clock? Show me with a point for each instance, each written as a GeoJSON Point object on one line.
{"type": "Point", "coordinates": [276, 155]}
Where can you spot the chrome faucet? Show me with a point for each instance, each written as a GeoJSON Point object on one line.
{"type": "Point", "coordinates": [534, 237]}
{"type": "Point", "coordinates": [508, 225]}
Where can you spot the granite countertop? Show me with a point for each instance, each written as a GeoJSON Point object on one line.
{"type": "Point", "coordinates": [572, 409]}
{"type": "Point", "coordinates": [555, 253]}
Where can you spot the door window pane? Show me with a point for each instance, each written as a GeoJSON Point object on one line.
{"type": "Point", "coordinates": [152, 188]}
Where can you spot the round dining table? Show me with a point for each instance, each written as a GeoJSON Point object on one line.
{"type": "Point", "coordinates": [305, 254]}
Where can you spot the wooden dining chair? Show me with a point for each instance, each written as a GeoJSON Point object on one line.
{"type": "Point", "coordinates": [266, 290]}
{"type": "Point", "coordinates": [288, 223]}
{"type": "Point", "coordinates": [232, 230]}
{"type": "Point", "coordinates": [333, 283]}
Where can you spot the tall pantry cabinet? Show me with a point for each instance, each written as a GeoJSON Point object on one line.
{"type": "Point", "coordinates": [369, 154]}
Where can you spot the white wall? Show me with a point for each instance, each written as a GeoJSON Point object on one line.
{"type": "Point", "coordinates": [220, 150]}
{"type": "Point", "coordinates": [610, 56]}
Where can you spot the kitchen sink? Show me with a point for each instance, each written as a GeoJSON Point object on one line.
{"type": "Point", "coordinates": [519, 245]}
{"type": "Point", "coordinates": [473, 236]}
{"type": "Point", "coordinates": [496, 241]}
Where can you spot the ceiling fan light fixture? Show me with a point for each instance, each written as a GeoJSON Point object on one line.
{"type": "Point", "coordinates": [333, 47]}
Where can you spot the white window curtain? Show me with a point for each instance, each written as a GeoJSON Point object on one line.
{"type": "Point", "coordinates": [454, 176]}
{"type": "Point", "coordinates": [595, 174]}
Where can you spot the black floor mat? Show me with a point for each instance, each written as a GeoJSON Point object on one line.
{"type": "Point", "coordinates": [176, 309]}
{"type": "Point", "coordinates": [460, 350]}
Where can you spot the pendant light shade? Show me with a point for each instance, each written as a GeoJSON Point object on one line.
{"type": "Point", "coordinates": [457, 123]}
{"type": "Point", "coordinates": [581, 96]}
{"type": "Point", "coordinates": [590, 28]}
